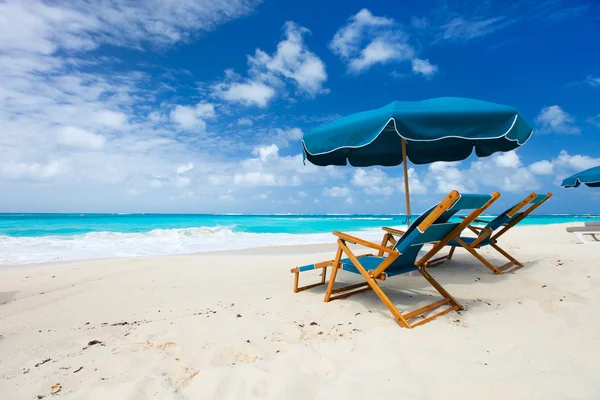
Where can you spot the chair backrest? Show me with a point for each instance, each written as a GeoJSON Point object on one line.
{"type": "Point", "coordinates": [516, 214]}
{"type": "Point", "coordinates": [433, 226]}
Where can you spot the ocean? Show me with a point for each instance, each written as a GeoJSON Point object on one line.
{"type": "Point", "coordinates": [34, 238]}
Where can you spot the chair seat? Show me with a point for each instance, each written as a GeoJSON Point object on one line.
{"type": "Point", "coordinates": [469, 240]}
{"type": "Point", "coordinates": [372, 262]}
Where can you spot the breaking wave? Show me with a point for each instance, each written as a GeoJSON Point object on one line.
{"type": "Point", "coordinates": [96, 245]}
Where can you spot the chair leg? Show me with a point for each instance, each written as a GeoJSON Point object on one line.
{"type": "Point", "coordinates": [451, 252]}
{"type": "Point", "coordinates": [335, 267]}
{"type": "Point", "coordinates": [513, 262]}
{"type": "Point", "coordinates": [440, 260]}
{"type": "Point", "coordinates": [479, 257]}
{"type": "Point", "coordinates": [440, 288]}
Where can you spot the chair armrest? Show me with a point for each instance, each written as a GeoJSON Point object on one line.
{"type": "Point", "coordinates": [393, 231]}
{"type": "Point", "coordinates": [355, 240]}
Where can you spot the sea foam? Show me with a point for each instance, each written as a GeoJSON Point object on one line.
{"type": "Point", "coordinates": [95, 245]}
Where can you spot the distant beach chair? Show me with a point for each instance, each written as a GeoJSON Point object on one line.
{"type": "Point", "coordinates": [487, 237]}
{"type": "Point", "coordinates": [591, 231]}
{"type": "Point", "coordinates": [401, 256]}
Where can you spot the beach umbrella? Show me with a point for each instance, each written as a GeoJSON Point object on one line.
{"type": "Point", "coordinates": [440, 129]}
{"type": "Point", "coordinates": [589, 177]}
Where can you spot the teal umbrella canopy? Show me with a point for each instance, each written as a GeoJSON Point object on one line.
{"type": "Point", "coordinates": [589, 177]}
{"type": "Point", "coordinates": [441, 129]}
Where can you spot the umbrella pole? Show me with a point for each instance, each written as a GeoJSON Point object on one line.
{"type": "Point", "coordinates": [406, 190]}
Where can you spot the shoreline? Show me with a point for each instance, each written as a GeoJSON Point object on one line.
{"type": "Point", "coordinates": [267, 249]}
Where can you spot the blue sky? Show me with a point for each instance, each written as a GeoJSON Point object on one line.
{"type": "Point", "coordinates": [199, 106]}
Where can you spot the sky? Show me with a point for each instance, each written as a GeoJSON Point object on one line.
{"type": "Point", "coordinates": [183, 106]}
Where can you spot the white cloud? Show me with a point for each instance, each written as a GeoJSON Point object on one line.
{"type": "Point", "coordinates": [205, 110]}
{"type": "Point", "coordinates": [182, 169]}
{"type": "Point", "coordinates": [543, 167]}
{"type": "Point", "coordinates": [250, 93]}
{"type": "Point", "coordinates": [44, 28]}
{"type": "Point", "coordinates": [283, 137]}
{"type": "Point", "coordinates": [576, 162]}
{"type": "Point", "coordinates": [255, 179]}
{"type": "Point", "coordinates": [507, 171]}
{"type": "Point", "coordinates": [554, 119]}
{"type": "Point", "coordinates": [182, 181]}
{"type": "Point", "coordinates": [336, 191]}
{"type": "Point", "coordinates": [111, 119]}
{"type": "Point", "coordinates": [593, 81]}
{"type": "Point", "coordinates": [448, 177]}
{"type": "Point", "coordinates": [245, 121]}
{"type": "Point", "coordinates": [192, 118]}
{"type": "Point", "coordinates": [266, 153]}
{"type": "Point", "coordinates": [459, 28]}
{"type": "Point", "coordinates": [367, 40]}
{"type": "Point", "coordinates": [375, 182]}
{"type": "Point", "coordinates": [347, 40]}
{"type": "Point", "coordinates": [30, 171]}
{"type": "Point", "coordinates": [292, 62]}
{"type": "Point", "coordinates": [380, 51]}
{"type": "Point", "coordinates": [423, 67]}
{"type": "Point", "coordinates": [507, 160]}
{"type": "Point", "coordinates": [80, 138]}
{"type": "Point", "coordinates": [156, 184]}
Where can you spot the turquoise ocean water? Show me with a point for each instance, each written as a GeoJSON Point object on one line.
{"type": "Point", "coordinates": [27, 238]}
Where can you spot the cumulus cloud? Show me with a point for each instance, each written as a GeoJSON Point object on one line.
{"type": "Point", "coordinates": [543, 167]}
{"type": "Point", "coordinates": [375, 182]}
{"type": "Point", "coordinates": [508, 172]}
{"type": "Point", "coordinates": [336, 191]}
{"type": "Point", "coordinates": [249, 93]}
{"type": "Point", "coordinates": [192, 118]}
{"type": "Point", "coordinates": [80, 138]}
{"type": "Point", "coordinates": [182, 169]}
{"type": "Point", "coordinates": [255, 179]}
{"type": "Point", "coordinates": [30, 171]}
{"type": "Point", "coordinates": [423, 67]}
{"type": "Point", "coordinates": [245, 121]}
{"type": "Point", "coordinates": [71, 119]}
{"type": "Point", "coordinates": [554, 119]}
{"type": "Point", "coordinates": [292, 62]}
{"type": "Point", "coordinates": [367, 40]}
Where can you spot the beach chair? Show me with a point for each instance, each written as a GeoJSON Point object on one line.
{"type": "Point", "coordinates": [487, 235]}
{"type": "Point", "coordinates": [591, 231]}
{"type": "Point", "coordinates": [402, 256]}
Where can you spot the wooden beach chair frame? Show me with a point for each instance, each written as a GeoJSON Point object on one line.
{"type": "Point", "coordinates": [486, 236]}
{"type": "Point", "coordinates": [372, 276]}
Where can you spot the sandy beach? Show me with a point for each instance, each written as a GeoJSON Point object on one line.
{"type": "Point", "coordinates": [228, 326]}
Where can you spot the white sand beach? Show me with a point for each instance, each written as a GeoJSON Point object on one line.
{"type": "Point", "coordinates": [228, 326]}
